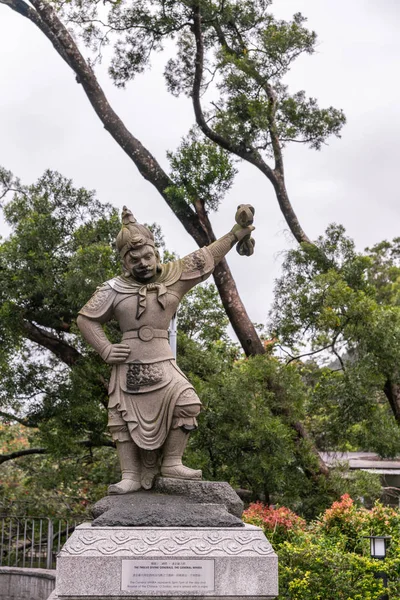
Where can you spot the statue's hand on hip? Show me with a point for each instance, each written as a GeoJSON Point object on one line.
{"type": "Point", "coordinates": [118, 354]}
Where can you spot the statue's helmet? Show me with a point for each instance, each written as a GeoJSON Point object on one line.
{"type": "Point", "coordinates": [132, 235]}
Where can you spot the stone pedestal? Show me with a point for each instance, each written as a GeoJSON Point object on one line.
{"type": "Point", "coordinates": [181, 540]}
{"type": "Point", "coordinates": [171, 562]}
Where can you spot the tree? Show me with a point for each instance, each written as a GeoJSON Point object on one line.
{"type": "Point", "coordinates": [59, 251]}
{"type": "Point", "coordinates": [343, 306]}
{"type": "Point", "coordinates": [54, 387]}
{"type": "Point", "coordinates": [246, 434]}
{"type": "Point", "coordinates": [53, 390]}
{"type": "Point", "coordinates": [246, 53]}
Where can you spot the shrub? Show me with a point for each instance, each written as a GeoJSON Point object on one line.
{"type": "Point", "coordinates": [329, 558]}
{"type": "Point", "coordinates": [345, 519]}
{"type": "Point", "coordinates": [277, 523]}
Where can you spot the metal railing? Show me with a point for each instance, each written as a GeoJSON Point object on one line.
{"type": "Point", "coordinates": [33, 542]}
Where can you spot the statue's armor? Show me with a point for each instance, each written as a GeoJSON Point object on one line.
{"type": "Point", "coordinates": [148, 393]}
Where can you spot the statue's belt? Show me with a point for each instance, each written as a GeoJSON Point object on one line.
{"type": "Point", "coordinates": [145, 333]}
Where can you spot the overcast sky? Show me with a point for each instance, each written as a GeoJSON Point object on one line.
{"type": "Point", "coordinates": [46, 122]}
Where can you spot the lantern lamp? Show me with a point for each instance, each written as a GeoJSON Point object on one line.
{"type": "Point", "coordinates": [378, 545]}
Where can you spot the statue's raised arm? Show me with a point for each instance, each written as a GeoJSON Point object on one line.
{"type": "Point", "coordinates": [152, 405]}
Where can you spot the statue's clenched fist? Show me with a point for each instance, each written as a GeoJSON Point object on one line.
{"type": "Point", "coordinates": [242, 230]}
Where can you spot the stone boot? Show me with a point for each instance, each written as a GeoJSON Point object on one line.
{"type": "Point", "coordinates": [173, 450]}
{"type": "Point", "coordinates": [129, 459]}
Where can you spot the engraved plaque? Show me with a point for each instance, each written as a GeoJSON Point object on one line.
{"type": "Point", "coordinates": [155, 576]}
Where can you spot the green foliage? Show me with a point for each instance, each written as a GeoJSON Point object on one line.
{"type": "Point", "coordinates": [319, 569]}
{"type": "Point", "coordinates": [348, 411]}
{"type": "Point", "coordinates": [246, 434]}
{"type": "Point", "coordinates": [200, 170]}
{"type": "Point", "coordinates": [61, 231]}
{"type": "Point", "coordinates": [243, 440]}
{"type": "Point", "coordinates": [329, 559]}
{"type": "Point", "coordinates": [59, 250]}
{"type": "Point", "coordinates": [347, 303]}
{"type": "Point", "coordinates": [201, 315]}
{"type": "Point", "coordinates": [247, 53]}
{"type": "Point", "coordinates": [384, 271]}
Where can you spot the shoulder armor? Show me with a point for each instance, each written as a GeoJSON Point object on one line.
{"type": "Point", "coordinates": [198, 264]}
{"type": "Point", "coordinates": [100, 303]}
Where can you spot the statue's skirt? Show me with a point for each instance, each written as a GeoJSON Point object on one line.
{"type": "Point", "coordinates": [143, 398]}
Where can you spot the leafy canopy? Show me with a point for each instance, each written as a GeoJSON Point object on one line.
{"type": "Point", "coordinates": [243, 53]}
{"type": "Point", "coordinates": [343, 306]}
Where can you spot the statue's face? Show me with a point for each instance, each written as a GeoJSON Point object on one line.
{"type": "Point", "coordinates": [142, 263]}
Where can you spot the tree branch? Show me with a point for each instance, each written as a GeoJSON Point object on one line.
{"type": "Point", "coordinates": [309, 353]}
{"type": "Point", "coordinates": [69, 355]}
{"type": "Point", "coordinates": [276, 145]}
{"type": "Point", "coordinates": [197, 82]}
{"type": "Point", "coordinates": [336, 353]}
{"type": "Point", "coordinates": [20, 453]}
{"type": "Point", "coordinates": [22, 421]}
{"type": "Point", "coordinates": [28, 451]}
{"type": "Point", "coordinates": [392, 393]}
{"type": "Point", "coordinates": [48, 22]}
{"type": "Point", "coordinates": [251, 155]}
{"type": "Point", "coordinates": [27, 11]}
{"type": "Point", "coordinates": [268, 89]}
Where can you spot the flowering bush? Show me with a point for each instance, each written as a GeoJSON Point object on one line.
{"type": "Point", "coordinates": [275, 522]}
{"type": "Point", "coordinates": [344, 518]}
{"type": "Point", "coordinates": [329, 558]}
{"type": "Point", "coordinates": [383, 520]}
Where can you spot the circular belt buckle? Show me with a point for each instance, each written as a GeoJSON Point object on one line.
{"type": "Point", "coordinates": [146, 333]}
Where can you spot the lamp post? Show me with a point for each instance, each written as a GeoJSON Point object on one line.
{"type": "Point", "coordinates": [378, 547]}
{"type": "Point", "coordinates": [173, 334]}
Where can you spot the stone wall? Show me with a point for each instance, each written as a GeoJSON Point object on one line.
{"type": "Point", "coordinates": [26, 584]}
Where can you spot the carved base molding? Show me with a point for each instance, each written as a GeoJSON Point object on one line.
{"type": "Point", "coordinates": [137, 562]}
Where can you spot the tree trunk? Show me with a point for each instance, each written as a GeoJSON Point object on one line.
{"type": "Point", "coordinates": [236, 311]}
{"type": "Point", "coordinates": [200, 229]}
{"type": "Point", "coordinates": [392, 393]}
{"type": "Point", "coordinates": [303, 435]}
{"type": "Point", "coordinates": [287, 209]}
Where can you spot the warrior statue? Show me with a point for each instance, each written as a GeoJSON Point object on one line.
{"type": "Point", "coordinates": [152, 405]}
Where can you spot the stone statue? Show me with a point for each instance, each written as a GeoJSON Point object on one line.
{"type": "Point", "coordinates": [152, 405]}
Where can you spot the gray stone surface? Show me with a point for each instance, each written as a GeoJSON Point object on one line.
{"type": "Point", "coordinates": [209, 492]}
{"type": "Point", "coordinates": [90, 563]}
{"type": "Point", "coordinates": [147, 509]}
{"type": "Point", "coordinates": [24, 583]}
{"type": "Point", "coordinates": [172, 503]}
